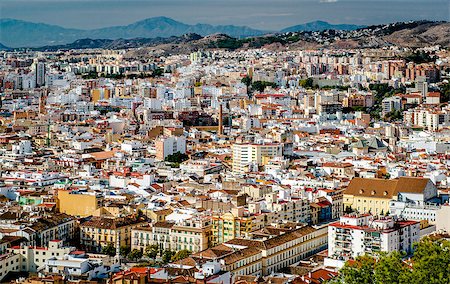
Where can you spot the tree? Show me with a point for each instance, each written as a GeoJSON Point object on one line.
{"type": "Point", "coordinates": [247, 80]}
{"type": "Point", "coordinates": [90, 75]}
{"type": "Point", "coordinates": [177, 158]}
{"type": "Point", "coordinates": [182, 254]}
{"type": "Point", "coordinates": [152, 251]}
{"type": "Point", "coordinates": [157, 72]}
{"type": "Point", "coordinates": [361, 270]}
{"type": "Point", "coordinates": [167, 256]}
{"type": "Point", "coordinates": [445, 93]}
{"type": "Point", "coordinates": [109, 250]}
{"type": "Point", "coordinates": [124, 250]}
{"type": "Point", "coordinates": [419, 57]}
{"type": "Point", "coordinates": [348, 209]}
{"type": "Point", "coordinates": [260, 86]}
{"type": "Point", "coordinates": [431, 262]}
{"type": "Point", "coordinates": [135, 254]}
{"type": "Point", "coordinates": [394, 115]}
{"type": "Point", "coordinates": [391, 269]}
{"type": "Point", "coordinates": [307, 83]}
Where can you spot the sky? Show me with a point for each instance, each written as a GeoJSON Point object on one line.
{"type": "Point", "coordinates": [270, 15]}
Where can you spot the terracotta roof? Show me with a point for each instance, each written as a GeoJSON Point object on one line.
{"type": "Point", "coordinates": [103, 155]}
{"type": "Point", "coordinates": [382, 188]}
{"type": "Point", "coordinates": [240, 255]}
{"type": "Point", "coordinates": [109, 223]}
{"type": "Point", "coordinates": [164, 224]}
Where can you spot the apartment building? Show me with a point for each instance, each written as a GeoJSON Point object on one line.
{"type": "Point", "coordinates": [166, 146]}
{"type": "Point", "coordinates": [33, 258]}
{"type": "Point", "coordinates": [391, 104]}
{"type": "Point", "coordinates": [9, 262]}
{"type": "Point", "coordinates": [339, 169]}
{"type": "Point", "coordinates": [431, 119]}
{"type": "Point", "coordinates": [98, 232]}
{"type": "Point", "coordinates": [249, 157]}
{"type": "Point", "coordinates": [78, 203]}
{"type": "Point", "coordinates": [264, 255]}
{"type": "Point", "coordinates": [294, 210]}
{"type": "Point", "coordinates": [191, 234]}
{"type": "Point", "coordinates": [234, 224]}
{"type": "Point", "coordinates": [375, 195]}
{"type": "Point", "coordinates": [54, 227]}
{"type": "Point", "coordinates": [357, 234]}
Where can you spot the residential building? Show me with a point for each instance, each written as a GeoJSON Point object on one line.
{"type": "Point", "coordinates": [32, 258]}
{"type": "Point", "coordinates": [166, 146]}
{"type": "Point", "coordinates": [357, 234]}
{"type": "Point", "coordinates": [98, 232]}
{"type": "Point", "coordinates": [375, 195]}
{"type": "Point", "coordinates": [78, 203]}
{"type": "Point", "coordinates": [263, 256]}
{"type": "Point", "coordinates": [248, 157]}
{"type": "Point", "coordinates": [191, 234]}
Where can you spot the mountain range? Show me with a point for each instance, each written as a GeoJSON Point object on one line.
{"type": "Point", "coordinates": [320, 26]}
{"type": "Point", "coordinates": [413, 34]}
{"type": "Point", "coordinates": [17, 33]}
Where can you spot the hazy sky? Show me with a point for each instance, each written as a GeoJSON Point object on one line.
{"type": "Point", "coordinates": [261, 14]}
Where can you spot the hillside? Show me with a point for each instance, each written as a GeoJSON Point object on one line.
{"type": "Point", "coordinates": [409, 34]}
{"type": "Point", "coordinates": [17, 33]}
{"type": "Point", "coordinates": [320, 26]}
{"type": "Point", "coordinates": [3, 47]}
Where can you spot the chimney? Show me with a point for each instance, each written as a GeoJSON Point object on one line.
{"type": "Point", "coordinates": [220, 132]}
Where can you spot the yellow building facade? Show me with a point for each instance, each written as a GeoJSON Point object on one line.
{"type": "Point", "coordinates": [234, 224]}
{"type": "Point", "coordinates": [99, 232]}
{"type": "Point", "coordinates": [77, 204]}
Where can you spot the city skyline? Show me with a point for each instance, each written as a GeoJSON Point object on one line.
{"type": "Point", "coordinates": [265, 15]}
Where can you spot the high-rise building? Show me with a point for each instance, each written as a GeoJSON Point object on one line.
{"type": "Point", "coordinates": [247, 157]}
{"type": "Point", "coordinates": [170, 145]}
{"type": "Point", "coordinates": [40, 74]}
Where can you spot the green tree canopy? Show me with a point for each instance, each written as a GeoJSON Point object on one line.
{"type": "Point", "coordinates": [152, 251]}
{"type": "Point", "coordinates": [247, 80]}
{"type": "Point", "coordinates": [124, 250]}
{"type": "Point", "coordinates": [445, 92]}
{"type": "Point", "coordinates": [177, 158]}
{"type": "Point", "coordinates": [306, 83]}
{"type": "Point", "coordinates": [359, 271]}
{"type": "Point", "coordinates": [109, 250]}
{"type": "Point", "coordinates": [260, 86]}
{"type": "Point", "coordinates": [135, 254]}
{"type": "Point", "coordinates": [181, 255]}
{"type": "Point", "coordinates": [167, 256]}
{"type": "Point", "coordinates": [430, 264]}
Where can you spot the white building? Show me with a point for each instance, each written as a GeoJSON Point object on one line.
{"type": "Point", "coordinates": [33, 258]}
{"type": "Point", "coordinates": [248, 157]}
{"type": "Point", "coordinates": [391, 104]}
{"type": "Point", "coordinates": [170, 145]}
{"type": "Point", "coordinates": [354, 235]}
{"type": "Point", "coordinates": [74, 267]}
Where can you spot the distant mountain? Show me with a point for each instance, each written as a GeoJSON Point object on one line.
{"type": "Point", "coordinates": [17, 33]}
{"type": "Point", "coordinates": [320, 26]}
{"type": "Point", "coordinates": [121, 43]}
{"type": "Point", "coordinates": [2, 47]}
{"type": "Point", "coordinates": [403, 34]}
